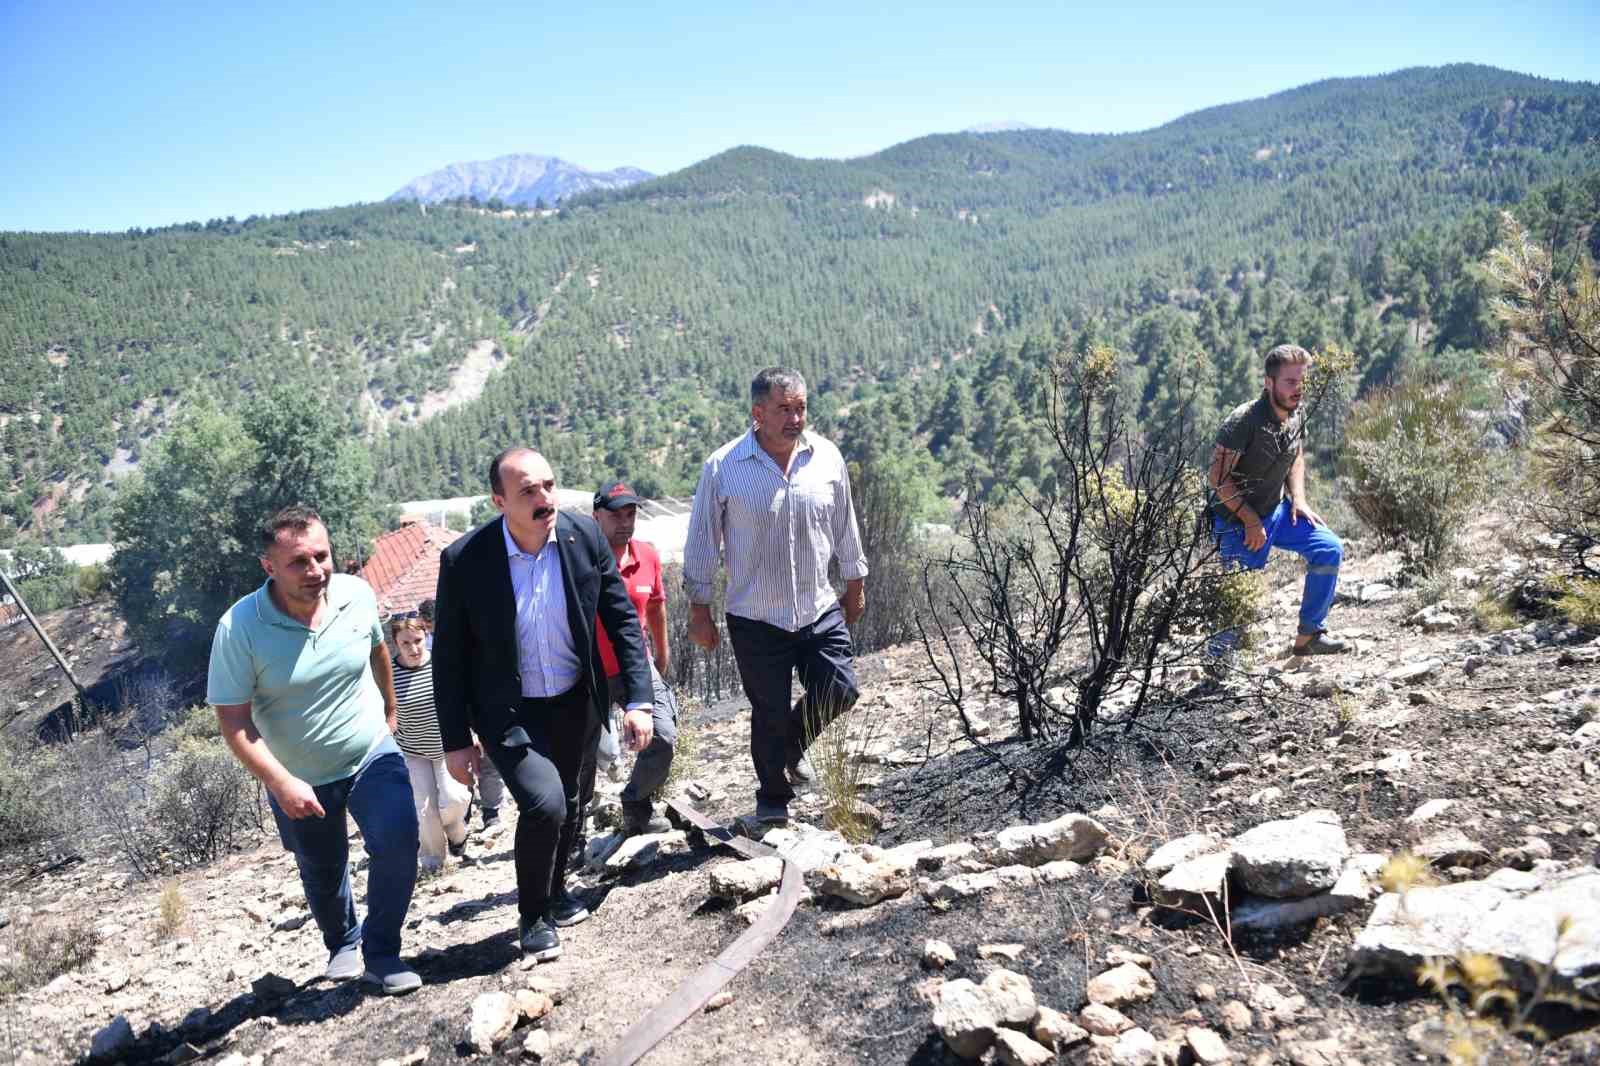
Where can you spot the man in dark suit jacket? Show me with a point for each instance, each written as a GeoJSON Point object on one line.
{"type": "Point", "coordinates": [515, 660]}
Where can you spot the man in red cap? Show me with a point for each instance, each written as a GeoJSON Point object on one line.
{"type": "Point", "coordinates": [616, 511]}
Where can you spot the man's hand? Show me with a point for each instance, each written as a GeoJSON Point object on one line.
{"type": "Point", "coordinates": [1255, 536]}
{"type": "Point", "coordinates": [463, 764]}
{"type": "Point", "coordinates": [855, 600]}
{"type": "Point", "coordinates": [1299, 510]}
{"type": "Point", "coordinates": [391, 718]}
{"type": "Point", "coordinates": [298, 800]}
{"type": "Point", "coordinates": [638, 728]}
{"type": "Point", "coordinates": [702, 627]}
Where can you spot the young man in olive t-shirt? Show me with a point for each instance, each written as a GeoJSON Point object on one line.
{"type": "Point", "coordinates": [1258, 481]}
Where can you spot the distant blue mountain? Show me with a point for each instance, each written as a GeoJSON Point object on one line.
{"type": "Point", "coordinates": [516, 179]}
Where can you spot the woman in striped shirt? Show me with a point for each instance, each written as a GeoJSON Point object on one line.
{"type": "Point", "coordinates": [442, 802]}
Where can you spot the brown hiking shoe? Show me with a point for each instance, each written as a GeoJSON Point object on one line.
{"type": "Point", "coordinates": [1322, 644]}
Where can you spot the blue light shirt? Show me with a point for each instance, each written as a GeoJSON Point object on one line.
{"type": "Point", "coordinates": [545, 649]}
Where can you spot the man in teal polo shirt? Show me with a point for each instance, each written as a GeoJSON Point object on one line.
{"type": "Point", "coordinates": [301, 681]}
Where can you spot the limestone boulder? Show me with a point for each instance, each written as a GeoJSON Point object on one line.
{"type": "Point", "coordinates": [864, 883]}
{"type": "Point", "coordinates": [1291, 857]}
{"type": "Point", "coordinates": [492, 1018]}
{"type": "Point", "coordinates": [1120, 985]}
{"type": "Point", "coordinates": [1072, 836]}
{"type": "Point", "coordinates": [965, 1018]}
{"type": "Point", "coordinates": [1555, 923]}
{"type": "Point", "coordinates": [746, 879]}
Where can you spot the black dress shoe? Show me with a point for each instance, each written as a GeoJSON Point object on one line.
{"type": "Point", "coordinates": [539, 941]}
{"type": "Point", "coordinates": [566, 909]}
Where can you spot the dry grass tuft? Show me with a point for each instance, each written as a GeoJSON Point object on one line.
{"type": "Point", "coordinates": [1405, 870]}
{"type": "Point", "coordinates": [837, 757]}
{"type": "Point", "coordinates": [173, 910]}
{"type": "Point", "coordinates": [686, 750]}
{"type": "Point", "coordinates": [40, 951]}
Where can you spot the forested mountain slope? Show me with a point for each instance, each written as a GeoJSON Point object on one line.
{"type": "Point", "coordinates": [624, 329]}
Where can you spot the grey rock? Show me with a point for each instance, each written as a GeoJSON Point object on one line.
{"type": "Point", "coordinates": [1072, 836]}
{"type": "Point", "coordinates": [1452, 848]}
{"type": "Point", "coordinates": [1190, 885]}
{"type": "Point", "coordinates": [1055, 1030]}
{"type": "Point", "coordinates": [537, 1045]}
{"type": "Point", "coordinates": [961, 886]}
{"type": "Point", "coordinates": [1102, 1020]}
{"type": "Point", "coordinates": [1012, 996]}
{"type": "Point", "coordinates": [1014, 1049]}
{"type": "Point", "coordinates": [1136, 1047]}
{"type": "Point", "coordinates": [1429, 810]}
{"type": "Point", "coordinates": [746, 879]}
{"type": "Point", "coordinates": [1123, 984]}
{"type": "Point", "coordinates": [965, 1018]}
{"type": "Point", "coordinates": [492, 1018]}
{"type": "Point", "coordinates": [947, 854]}
{"type": "Point", "coordinates": [1207, 1047]}
{"type": "Point", "coordinates": [1406, 673]}
{"type": "Point", "coordinates": [647, 848]}
{"type": "Point", "coordinates": [864, 884]}
{"type": "Point", "coordinates": [1236, 1017]}
{"type": "Point", "coordinates": [601, 848]}
{"type": "Point", "coordinates": [806, 846]}
{"type": "Point", "coordinates": [1292, 857]}
{"type": "Point", "coordinates": [1180, 850]}
{"type": "Point", "coordinates": [1556, 924]}
{"type": "Point", "coordinates": [936, 954]}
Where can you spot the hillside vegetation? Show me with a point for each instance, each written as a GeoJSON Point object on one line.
{"type": "Point", "coordinates": [626, 326]}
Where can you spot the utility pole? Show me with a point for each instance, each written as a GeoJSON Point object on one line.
{"type": "Point", "coordinates": [61, 661]}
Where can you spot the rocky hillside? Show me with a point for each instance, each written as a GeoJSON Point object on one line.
{"type": "Point", "coordinates": [520, 180]}
{"type": "Point", "coordinates": [1219, 892]}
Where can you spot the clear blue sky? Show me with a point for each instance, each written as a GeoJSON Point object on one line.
{"type": "Point", "coordinates": [118, 114]}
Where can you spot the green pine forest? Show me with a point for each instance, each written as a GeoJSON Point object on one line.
{"type": "Point", "coordinates": [918, 289]}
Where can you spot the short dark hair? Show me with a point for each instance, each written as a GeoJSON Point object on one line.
{"type": "Point", "coordinates": [296, 516]}
{"type": "Point", "coordinates": [425, 610]}
{"type": "Point", "coordinates": [1286, 355]}
{"type": "Point", "coordinates": [495, 485]}
{"type": "Point", "coordinates": [775, 377]}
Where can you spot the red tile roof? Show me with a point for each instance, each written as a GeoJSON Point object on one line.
{"type": "Point", "coordinates": [404, 567]}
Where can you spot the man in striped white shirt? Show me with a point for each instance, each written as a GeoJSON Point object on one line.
{"type": "Point", "coordinates": [774, 505]}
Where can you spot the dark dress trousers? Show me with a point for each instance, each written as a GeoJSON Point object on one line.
{"type": "Point", "coordinates": [538, 745]}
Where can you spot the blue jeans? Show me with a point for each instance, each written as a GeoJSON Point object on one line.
{"type": "Point", "coordinates": [378, 797]}
{"type": "Point", "coordinates": [1321, 549]}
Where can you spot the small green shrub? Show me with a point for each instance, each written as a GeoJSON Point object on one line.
{"type": "Point", "coordinates": [1413, 468]}
{"type": "Point", "coordinates": [1579, 601]}
{"type": "Point", "coordinates": [30, 819]}
{"type": "Point", "coordinates": [1221, 599]}
{"type": "Point", "coordinates": [197, 723]}
{"type": "Point", "coordinates": [202, 805]}
{"type": "Point", "coordinates": [1494, 614]}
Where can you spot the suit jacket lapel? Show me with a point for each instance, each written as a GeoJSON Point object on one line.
{"type": "Point", "coordinates": [567, 547]}
{"type": "Point", "coordinates": [499, 574]}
